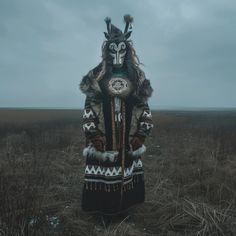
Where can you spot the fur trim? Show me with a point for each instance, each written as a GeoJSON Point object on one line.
{"type": "Point", "coordinates": [89, 85]}
{"type": "Point", "coordinates": [138, 152]}
{"type": "Point", "coordinates": [90, 151]}
{"type": "Point", "coordinates": [145, 89]}
{"type": "Point", "coordinates": [128, 18]}
{"type": "Point", "coordinates": [144, 92]}
{"type": "Point", "coordinates": [107, 20]}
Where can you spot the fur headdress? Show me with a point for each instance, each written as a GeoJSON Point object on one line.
{"type": "Point", "coordinates": [113, 33]}
{"type": "Point", "coordinates": [90, 82]}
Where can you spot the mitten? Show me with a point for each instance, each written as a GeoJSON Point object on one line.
{"type": "Point", "coordinates": [137, 141]}
{"type": "Point", "coordinates": [98, 142]}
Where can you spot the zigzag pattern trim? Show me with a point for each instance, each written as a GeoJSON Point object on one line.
{"type": "Point", "coordinates": [113, 171]}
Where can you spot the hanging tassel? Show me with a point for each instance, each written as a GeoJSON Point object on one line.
{"type": "Point", "coordinates": [113, 125]}
{"type": "Point", "coordinates": [123, 150]}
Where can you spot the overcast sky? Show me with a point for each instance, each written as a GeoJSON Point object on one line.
{"type": "Point", "coordinates": [188, 49]}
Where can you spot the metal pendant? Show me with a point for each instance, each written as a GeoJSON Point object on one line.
{"type": "Point", "coordinates": [120, 87]}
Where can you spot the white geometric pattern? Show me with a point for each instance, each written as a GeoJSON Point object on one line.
{"type": "Point", "coordinates": [88, 126]}
{"type": "Point", "coordinates": [147, 114]}
{"type": "Point", "coordinates": [146, 125]}
{"type": "Point", "coordinates": [88, 113]}
{"type": "Point", "coordinates": [112, 171]}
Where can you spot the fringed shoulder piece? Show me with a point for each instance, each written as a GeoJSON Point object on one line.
{"type": "Point", "coordinates": [144, 89]}
{"type": "Point", "coordinates": [89, 84]}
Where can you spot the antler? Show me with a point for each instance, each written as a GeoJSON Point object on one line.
{"type": "Point", "coordinates": [108, 22]}
{"type": "Point", "coordinates": [128, 19]}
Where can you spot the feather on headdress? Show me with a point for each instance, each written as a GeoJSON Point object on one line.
{"type": "Point", "coordinates": [114, 33]}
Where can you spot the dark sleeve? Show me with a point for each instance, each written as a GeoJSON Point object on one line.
{"type": "Point", "coordinates": [142, 118]}
{"type": "Point", "coordinates": [90, 120]}
{"type": "Point", "coordinates": [144, 123]}
{"type": "Point", "coordinates": [92, 114]}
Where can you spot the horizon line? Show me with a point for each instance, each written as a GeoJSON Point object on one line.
{"type": "Point", "coordinates": [174, 108]}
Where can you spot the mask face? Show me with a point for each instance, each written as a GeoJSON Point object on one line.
{"type": "Point", "coordinates": [117, 51]}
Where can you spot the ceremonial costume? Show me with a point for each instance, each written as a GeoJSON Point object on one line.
{"type": "Point", "coordinates": [116, 121]}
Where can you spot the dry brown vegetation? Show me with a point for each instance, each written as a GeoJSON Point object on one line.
{"type": "Point", "coordinates": [190, 174]}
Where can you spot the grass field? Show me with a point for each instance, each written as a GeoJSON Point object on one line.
{"type": "Point", "coordinates": [190, 176]}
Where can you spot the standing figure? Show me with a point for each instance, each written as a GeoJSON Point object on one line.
{"type": "Point", "coordinates": [116, 121]}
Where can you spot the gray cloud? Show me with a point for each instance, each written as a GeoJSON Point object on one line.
{"type": "Point", "coordinates": [188, 49]}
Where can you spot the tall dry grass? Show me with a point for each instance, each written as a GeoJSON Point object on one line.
{"type": "Point", "coordinates": [190, 175]}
